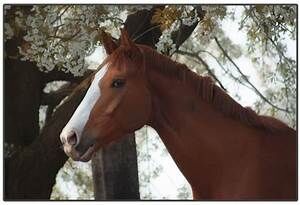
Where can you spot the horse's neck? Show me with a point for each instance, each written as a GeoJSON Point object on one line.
{"type": "Point", "coordinates": [196, 135]}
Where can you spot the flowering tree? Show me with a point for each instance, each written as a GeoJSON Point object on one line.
{"type": "Point", "coordinates": [52, 42]}
{"type": "Point", "coordinates": [267, 28]}
{"type": "Point", "coordinates": [49, 43]}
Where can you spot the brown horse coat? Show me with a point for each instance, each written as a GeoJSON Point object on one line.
{"type": "Point", "coordinates": [224, 150]}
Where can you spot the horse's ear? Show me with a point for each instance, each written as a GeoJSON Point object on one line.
{"type": "Point", "coordinates": [108, 42]}
{"type": "Point", "coordinates": [125, 39]}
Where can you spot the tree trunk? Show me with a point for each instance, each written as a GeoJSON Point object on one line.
{"type": "Point", "coordinates": [22, 79]}
{"type": "Point", "coordinates": [114, 168]}
{"type": "Point", "coordinates": [115, 171]}
{"type": "Point", "coordinates": [30, 173]}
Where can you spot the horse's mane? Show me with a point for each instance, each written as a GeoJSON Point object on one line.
{"type": "Point", "coordinates": [208, 91]}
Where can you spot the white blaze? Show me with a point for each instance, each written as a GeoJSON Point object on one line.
{"type": "Point", "coordinates": [82, 113]}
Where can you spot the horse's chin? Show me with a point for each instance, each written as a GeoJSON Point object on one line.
{"type": "Point", "coordinates": [84, 157]}
{"type": "Point", "coordinates": [87, 156]}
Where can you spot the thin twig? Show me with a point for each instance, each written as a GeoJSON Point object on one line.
{"type": "Point", "coordinates": [224, 69]}
{"type": "Point", "coordinates": [65, 39]}
{"type": "Point", "coordinates": [194, 55]}
{"type": "Point", "coordinates": [60, 15]}
{"type": "Point", "coordinates": [278, 50]}
{"type": "Point", "coordinates": [257, 21]}
{"type": "Point", "coordinates": [148, 30]}
{"type": "Point", "coordinates": [247, 80]}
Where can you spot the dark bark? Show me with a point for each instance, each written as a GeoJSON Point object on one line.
{"type": "Point", "coordinates": [57, 74]}
{"type": "Point", "coordinates": [185, 31]}
{"type": "Point", "coordinates": [140, 29]}
{"type": "Point", "coordinates": [21, 80]}
{"type": "Point", "coordinates": [55, 97]}
{"type": "Point", "coordinates": [115, 171]}
{"type": "Point", "coordinates": [30, 173]}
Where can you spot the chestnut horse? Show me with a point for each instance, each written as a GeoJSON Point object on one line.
{"type": "Point", "coordinates": [224, 150]}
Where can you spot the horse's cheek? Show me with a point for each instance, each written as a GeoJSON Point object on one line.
{"type": "Point", "coordinates": [135, 114]}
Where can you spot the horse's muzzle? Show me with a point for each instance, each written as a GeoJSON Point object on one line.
{"type": "Point", "coordinates": [79, 149]}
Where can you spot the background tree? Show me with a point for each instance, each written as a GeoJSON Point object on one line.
{"type": "Point", "coordinates": [56, 39]}
{"type": "Point", "coordinates": [53, 42]}
{"type": "Point", "coordinates": [56, 44]}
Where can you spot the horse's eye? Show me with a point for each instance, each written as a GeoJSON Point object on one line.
{"type": "Point", "coordinates": [117, 83]}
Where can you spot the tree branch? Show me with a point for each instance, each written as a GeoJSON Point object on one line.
{"type": "Point", "coordinates": [62, 13]}
{"type": "Point", "coordinates": [224, 69]}
{"type": "Point", "coordinates": [246, 79]}
{"type": "Point", "coordinates": [57, 74]}
{"type": "Point", "coordinates": [49, 112]}
{"type": "Point", "coordinates": [184, 32]}
{"type": "Point", "coordinates": [281, 54]}
{"type": "Point", "coordinates": [139, 27]}
{"type": "Point", "coordinates": [55, 97]}
{"type": "Point", "coordinates": [194, 55]}
{"type": "Point", "coordinates": [146, 33]}
{"type": "Point", "coordinates": [259, 23]}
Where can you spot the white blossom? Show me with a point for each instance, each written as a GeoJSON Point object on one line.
{"type": "Point", "coordinates": [189, 16]}
{"type": "Point", "coordinates": [165, 43]}
{"type": "Point", "coordinates": [5, 8]}
{"type": "Point", "coordinates": [8, 31]}
{"type": "Point", "coordinates": [60, 37]}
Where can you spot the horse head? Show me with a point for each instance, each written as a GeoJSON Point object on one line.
{"type": "Point", "coordinates": [117, 102]}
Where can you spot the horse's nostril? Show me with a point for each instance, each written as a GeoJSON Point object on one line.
{"type": "Point", "coordinates": [72, 139]}
{"type": "Point", "coordinates": [63, 140]}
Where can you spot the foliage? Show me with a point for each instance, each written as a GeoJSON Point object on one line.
{"type": "Point", "coordinates": [169, 20]}
{"type": "Point", "coordinates": [75, 182]}
{"type": "Point", "coordinates": [184, 192]}
{"type": "Point", "coordinates": [147, 144]}
{"type": "Point", "coordinates": [268, 29]}
{"type": "Point", "coordinates": [61, 36]}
